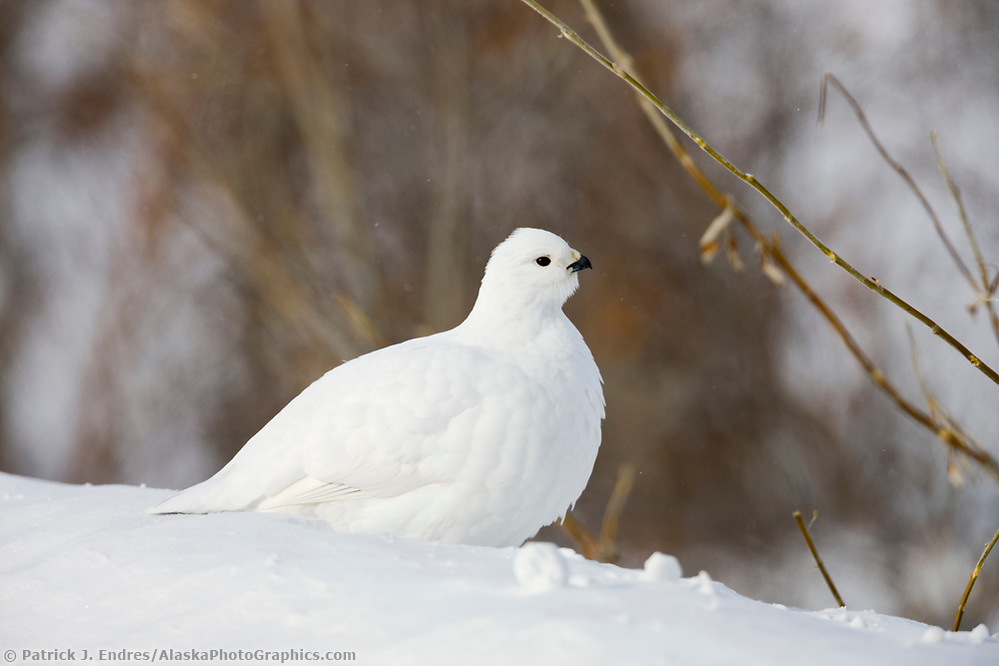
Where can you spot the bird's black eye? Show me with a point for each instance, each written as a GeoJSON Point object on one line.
{"type": "Point", "coordinates": [543, 261]}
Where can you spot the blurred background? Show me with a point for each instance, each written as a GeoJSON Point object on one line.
{"type": "Point", "coordinates": [205, 204]}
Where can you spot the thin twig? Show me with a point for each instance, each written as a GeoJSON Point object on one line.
{"type": "Point", "coordinates": [962, 213]}
{"type": "Point", "coordinates": [954, 438]}
{"type": "Point", "coordinates": [974, 576]}
{"type": "Point", "coordinates": [612, 513]}
{"type": "Point", "coordinates": [828, 79]}
{"type": "Point", "coordinates": [774, 258]}
{"type": "Point", "coordinates": [924, 384]}
{"type": "Point", "coordinates": [937, 413]}
{"type": "Point", "coordinates": [604, 548]}
{"type": "Point", "coordinates": [588, 544]}
{"type": "Point", "coordinates": [985, 292]}
{"type": "Point", "coordinates": [818, 560]}
{"type": "Point", "coordinates": [751, 180]}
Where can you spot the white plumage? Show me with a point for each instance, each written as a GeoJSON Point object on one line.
{"type": "Point", "coordinates": [481, 434]}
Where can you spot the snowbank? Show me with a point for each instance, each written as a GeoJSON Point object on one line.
{"type": "Point", "coordinates": [83, 568]}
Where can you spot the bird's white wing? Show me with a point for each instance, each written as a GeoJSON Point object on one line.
{"type": "Point", "coordinates": [311, 490]}
{"type": "Point", "coordinates": [393, 420]}
{"type": "Point", "coordinates": [377, 426]}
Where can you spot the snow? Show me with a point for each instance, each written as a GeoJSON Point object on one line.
{"type": "Point", "coordinates": [83, 567]}
{"type": "Point", "coordinates": [660, 566]}
{"type": "Point", "coordinates": [539, 567]}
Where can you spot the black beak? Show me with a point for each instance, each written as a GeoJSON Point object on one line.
{"type": "Point", "coordinates": [583, 263]}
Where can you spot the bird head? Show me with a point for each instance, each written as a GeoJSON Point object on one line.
{"type": "Point", "coordinates": [531, 269]}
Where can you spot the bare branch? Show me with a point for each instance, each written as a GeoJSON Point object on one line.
{"type": "Point", "coordinates": [774, 262]}
{"type": "Point", "coordinates": [818, 560]}
{"type": "Point", "coordinates": [971, 582]}
{"type": "Point", "coordinates": [751, 180]}
{"type": "Point", "coordinates": [828, 79]}
{"type": "Point", "coordinates": [604, 548]}
{"type": "Point", "coordinates": [985, 292]}
{"type": "Point", "coordinates": [612, 513]}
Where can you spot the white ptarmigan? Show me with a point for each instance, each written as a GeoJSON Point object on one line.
{"type": "Point", "coordinates": [481, 434]}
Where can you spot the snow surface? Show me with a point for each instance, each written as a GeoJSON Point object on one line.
{"type": "Point", "coordinates": [83, 567]}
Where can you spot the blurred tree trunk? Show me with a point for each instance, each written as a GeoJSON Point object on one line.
{"type": "Point", "coordinates": [322, 111]}
{"type": "Point", "coordinates": [18, 291]}
{"type": "Point", "coordinates": [447, 234]}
